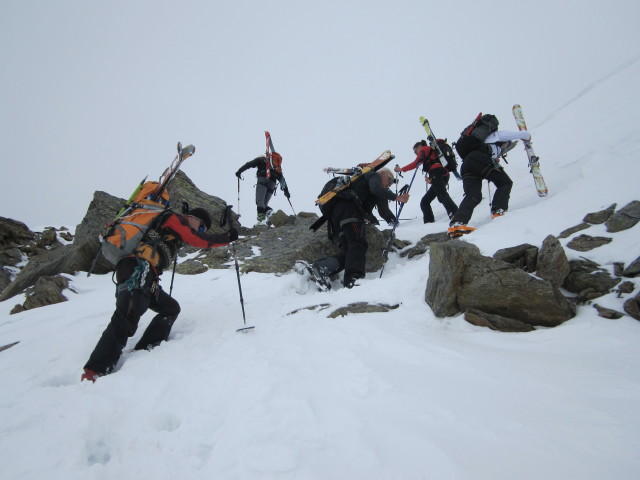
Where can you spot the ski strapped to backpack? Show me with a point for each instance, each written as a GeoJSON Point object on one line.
{"type": "Point", "coordinates": [274, 161]}
{"type": "Point", "coordinates": [445, 153]}
{"type": "Point", "coordinates": [336, 187]}
{"type": "Point", "coordinates": [473, 136]}
{"type": "Point", "coordinates": [127, 233]}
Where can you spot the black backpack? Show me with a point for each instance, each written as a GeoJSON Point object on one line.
{"type": "Point", "coordinates": [472, 138]}
{"type": "Point", "coordinates": [449, 162]}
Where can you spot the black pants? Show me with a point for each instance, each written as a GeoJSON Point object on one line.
{"type": "Point", "coordinates": [130, 306]}
{"type": "Point", "coordinates": [437, 189]}
{"type": "Point", "coordinates": [477, 167]}
{"type": "Point", "coordinates": [347, 229]}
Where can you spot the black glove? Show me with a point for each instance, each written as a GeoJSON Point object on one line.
{"type": "Point", "coordinates": [233, 234]}
{"type": "Point", "coordinates": [286, 192]}
{"type": "Point", "coordinates": [239, 174]}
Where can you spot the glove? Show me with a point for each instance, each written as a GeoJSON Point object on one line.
{"type": "Point", "coordinates": [239, 174]}
{"type": "Point", "coordinates": [286, 192]}
{"type": "Point", "coordinates": [233, 234]}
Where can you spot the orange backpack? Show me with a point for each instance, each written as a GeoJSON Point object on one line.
{"type": "Point", "coordinates": [126, 234]}
{"type": "Point", "coordinates": [276, 162]}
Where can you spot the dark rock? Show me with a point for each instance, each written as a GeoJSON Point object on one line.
{"type": "Point", "coordinates": [461, 279]}
{"type": "Point", "coordinates": [307, 215]}
{"type": "Point", "coordinates": [447, 263]}
{"type": "Point", "coordinates": [586, 278]}
{"type": "Point", "coordinates": [618, 268]}
{"type": "Point", "coordinates": [46, 291]}
{"type": "Point", "coordinates": [422, 246]}
{"type": "Point", "coordinates": [523, 256]}
{"type": "Point", "coordinates": [584, 243]}
{"type": "Point", "coordinates": [625, 288]}
{"type": "Point", "coordinates": [552, 262]}
{"type": "Point", "coordinates": [361, 307]}
{"type": "Point", "coordinates": [11, 256]}
{"type": "Point", "coordinates": [66, 236]}
{"type": "Point", "coordinates": [633, 269]}
{"type": "Point", "coordinates": [624, 218]}
{"type": "Point", "coordinates": [17, 309]}
{"type": "Point", "coordinates": [601, 216]}
{"type": "Point", "coordinates": [47, 238]}
{"type": "Point", "coordinates": [280, 218]}
{"type": "Point", "coordinates": [632, 307]}
{"type": "Point", "coordinates": [50, 263]}
{"type": "Point", "coordinates": [5, 278]}
{"type": "Point", "coordinates": [496, 322]}
{"type": "Point", "coordinates": [607, 312]}
{"type": "Point", "coordinates": [102, 209]}
{"type": "Point", "coordinates": [13, 233]}
{"type": "Point", "coordinates": [570, 231]}
{"type": "Point", "coordinates": [498, 288]}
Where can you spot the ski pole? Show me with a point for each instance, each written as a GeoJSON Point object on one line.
{"type": "Point", "coordinates": [223, 222]}
{"type": "Point", "coordinates": [385, 251]}
{"type": "Point", "coordinates": [397, 192]}
{"type": "Point", "coordinates": [238, 197]}
{"type": "Point", "coordinates": [173, 274]}
{"type": "Point", "coordinates": [294, 212]}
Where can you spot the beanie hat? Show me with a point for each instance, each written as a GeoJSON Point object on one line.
{"type": "Point", "coordinates": [202, 214]}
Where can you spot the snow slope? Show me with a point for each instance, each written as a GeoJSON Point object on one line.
{"type": "Point", "coordinates": [398, 395]}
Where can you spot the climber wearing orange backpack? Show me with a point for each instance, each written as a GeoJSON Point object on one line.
{"type": "Point", "coordinates": [137, 276]}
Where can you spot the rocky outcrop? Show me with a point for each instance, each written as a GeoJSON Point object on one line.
{"type": "Point", "coordinates": [633, 269]}
{"type": "Point", "coordinates": [584, 243]}
{"type": "Point", "coordinates": [275, 250]}
{"type": "Point", "coordinates": [523, 256]}
{"type": "Point", "coordinates": [570, 231]}
{"type": "Point", "coordinates": [632, 306]}
{"type": "Point", "coordinates": [552, 262]}
{"type": "Point", "coordinates": [602, 216]}
{"type": "Point", "coordinates": [607, 312]}
{"type": "Point", "coordinates": [46, 291]}
{"type": "Point", "coordinates": [625, 218]}
{"type": "Point", "coordinates": [461, 279]}
{"type": "Point", "coordinates": [587, 279]}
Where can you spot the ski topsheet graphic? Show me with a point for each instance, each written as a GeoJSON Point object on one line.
{"type": "Point", "coordinates": [534, 160]}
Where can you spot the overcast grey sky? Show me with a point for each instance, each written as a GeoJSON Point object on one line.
{"type": "Point", "coordinates": [94, 95]}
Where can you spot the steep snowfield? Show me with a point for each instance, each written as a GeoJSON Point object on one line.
{"type": "Point", "coordinates": [398, 395]}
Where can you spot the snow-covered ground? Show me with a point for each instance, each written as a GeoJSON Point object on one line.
{"type": "Point", "coordinates": [397, 395]}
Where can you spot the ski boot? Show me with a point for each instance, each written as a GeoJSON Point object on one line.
{"type": "Point", "coordinates": [314, 274]}
{"type": "Point", "coordinates": [498, 213]}
{"type": "Point", "coordinates": [458, 229]}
